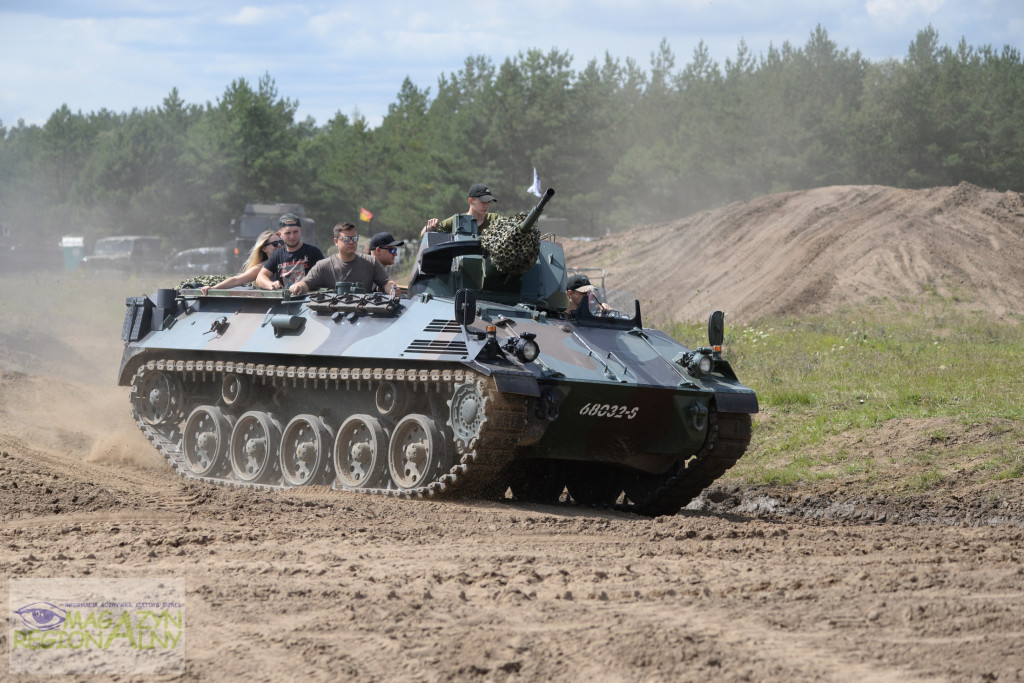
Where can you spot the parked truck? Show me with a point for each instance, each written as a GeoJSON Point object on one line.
{"type": "Point", "coordinates": [259, 217]}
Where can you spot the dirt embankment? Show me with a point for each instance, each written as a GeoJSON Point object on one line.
{"type": "Point", "coordinates": [782, 586]}
{"type": "Point", "coordinates": [818, 250]}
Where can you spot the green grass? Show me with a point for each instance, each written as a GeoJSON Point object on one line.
{"type": "Point", "coordinates": [830, 387]}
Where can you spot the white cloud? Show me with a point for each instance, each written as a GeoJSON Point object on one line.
{"type": "Point", "coordinates": [901, 11]}
{"type": "Point", "coordinates": [249, 16]}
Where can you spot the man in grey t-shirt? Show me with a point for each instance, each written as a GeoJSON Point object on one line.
{"type": "Point", "coordinates": [346, 266]}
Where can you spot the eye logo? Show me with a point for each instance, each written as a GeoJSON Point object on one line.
{"type": "Point", "coordinates": [42, 616]}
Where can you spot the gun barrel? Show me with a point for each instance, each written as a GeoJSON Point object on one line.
{"type": "Point", "coordinates": [535, 212]}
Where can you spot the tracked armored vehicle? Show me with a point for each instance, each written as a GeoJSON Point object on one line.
{"type": "Point", "coordinates": [477, 382]}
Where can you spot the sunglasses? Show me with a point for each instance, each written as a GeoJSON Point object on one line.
{"type": "Point", "coordinates": [393, 250]}
{"type": "Point", "coordinates": [348, 240]}
{"type": "Point", "coordinates": [275, 243]}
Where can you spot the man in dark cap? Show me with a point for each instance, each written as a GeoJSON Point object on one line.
{"type": "Point", "coordinates": [480, 199]}
{"type": "Point", "coordinates": [384, 248]}
{"type": "Point", "coordinates": [578, 289]}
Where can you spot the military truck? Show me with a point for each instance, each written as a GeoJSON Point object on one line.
{"type": "Point", "coordinates": [259, 217]}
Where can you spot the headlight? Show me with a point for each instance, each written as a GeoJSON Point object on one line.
{"type": "Point", "coordinates": [523, 347]}
{"type": "Point", "coordinates": [527, 350]}
{"type": "Point", "coordinates": [700, 364]}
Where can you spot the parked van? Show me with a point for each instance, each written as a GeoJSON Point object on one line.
{"type": "Point", "coordinates": [126, 253]}
{"type": "Point", "coordinates": [201, 261]}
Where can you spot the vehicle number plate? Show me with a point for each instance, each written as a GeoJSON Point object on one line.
{"type": "Point", "coordinates": [609, 410]}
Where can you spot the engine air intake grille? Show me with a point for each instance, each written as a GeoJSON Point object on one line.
{"type": "Point", "coordinates": [454, 347]}
{"type": "Point", "coordinates": [446, 326]}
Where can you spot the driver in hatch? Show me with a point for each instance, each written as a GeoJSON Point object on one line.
{"type": "Point", "coordinates": [579, 288]}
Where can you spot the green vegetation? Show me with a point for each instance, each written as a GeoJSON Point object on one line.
{"type": "Point", "coordinates": [622, 145]}
{"type": "Point", "coordinates": [895, 397]}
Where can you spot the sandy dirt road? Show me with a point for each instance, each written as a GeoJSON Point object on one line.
{"type": "Point", "coordinates": [317, 585]}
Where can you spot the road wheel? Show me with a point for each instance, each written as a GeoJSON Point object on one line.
{"type": "Point", "coordinates": [416, 452]}
{"type": "Point", "coordinates": [305, 444]}
{"type": "Point", "coordinates": [205, 441]}
{"type": "Point", "coordinates": [594, 484]}
{"type": "Point", "coordinates": [360, 453]}
{"type": "Point", "coordinates": [254, 447]}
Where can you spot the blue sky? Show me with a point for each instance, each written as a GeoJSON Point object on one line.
{"type": "Point", "coordinates": [353, 56]}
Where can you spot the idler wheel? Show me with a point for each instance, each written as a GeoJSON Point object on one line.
{"type": "Point", "coordinates": [253, 447]}
{"type": "Point", "coordinates": [205, 441]}
{"type": "Point", "coordinates": [158, 398]}
{"type": "Point", "coordinates": [466, 414]}
{"type": "Point", "coordinates": [416, 452]}
{"type": "Point", "coordinates": [304, 451]}
{"type": "Point", "coordinates": [360, 452]}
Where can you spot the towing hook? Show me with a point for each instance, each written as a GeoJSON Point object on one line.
{"type": "Point", "coordinates": [218, 325]}
{"type": "Point", "coordinates": [546, 406]}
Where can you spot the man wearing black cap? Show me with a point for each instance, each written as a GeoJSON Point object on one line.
{"type": "Point", "coordinates": [480, 199]}
{"type": "Point", "coordinates": [287, 266]}
{"type": "Point", "coordinates": [384, 248]}
{"type": "Point", "coordinates": [578, 289]}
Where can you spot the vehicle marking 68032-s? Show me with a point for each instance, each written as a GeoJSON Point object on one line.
{"type": "Point", "coordinates": [607, 410]}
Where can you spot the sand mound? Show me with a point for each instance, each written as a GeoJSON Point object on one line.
{"type": "Point", "coordinates": [818, 250]}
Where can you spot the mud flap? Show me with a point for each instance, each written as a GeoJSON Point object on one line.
{"type": "Point", "coordinates": [736, 403]}
{"type": "Point", "coordinates": [517, 384]}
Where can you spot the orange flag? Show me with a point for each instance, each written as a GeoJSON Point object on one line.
{"type": "Point", "coordinates": [364, 215]}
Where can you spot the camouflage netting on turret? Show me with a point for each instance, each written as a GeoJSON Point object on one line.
{"type": "Point", "coordinates": [202, 280]}
{"type": "Point", "coordinates": [511, 251]}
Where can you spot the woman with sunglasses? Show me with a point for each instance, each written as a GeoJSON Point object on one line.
{"type": "Point", "coordinates": [266, 244]}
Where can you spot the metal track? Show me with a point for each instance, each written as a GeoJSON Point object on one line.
{"type": "Point", "coordinates": [728, 437]}
{"type": "Point", "coordinates": [479, 461]}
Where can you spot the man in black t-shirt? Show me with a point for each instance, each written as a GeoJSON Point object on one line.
{"type": "Point", "coordinates": [287, 266]}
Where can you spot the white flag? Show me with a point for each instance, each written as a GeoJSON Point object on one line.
{"type": "Point", "coordinates": [535, 188]}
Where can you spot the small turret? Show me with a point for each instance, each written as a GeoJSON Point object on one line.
{"type": "Point", "coordinates": [507, 263]}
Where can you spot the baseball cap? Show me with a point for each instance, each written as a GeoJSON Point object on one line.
{"type": "Point", "coordinates": [481, 192]}
{"type": "Point", "coordinates": [384, 239]}
{"type": "Point", "coordinates": [581, 283]}
{"type": "Point", "coordinates": [288, 219]}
